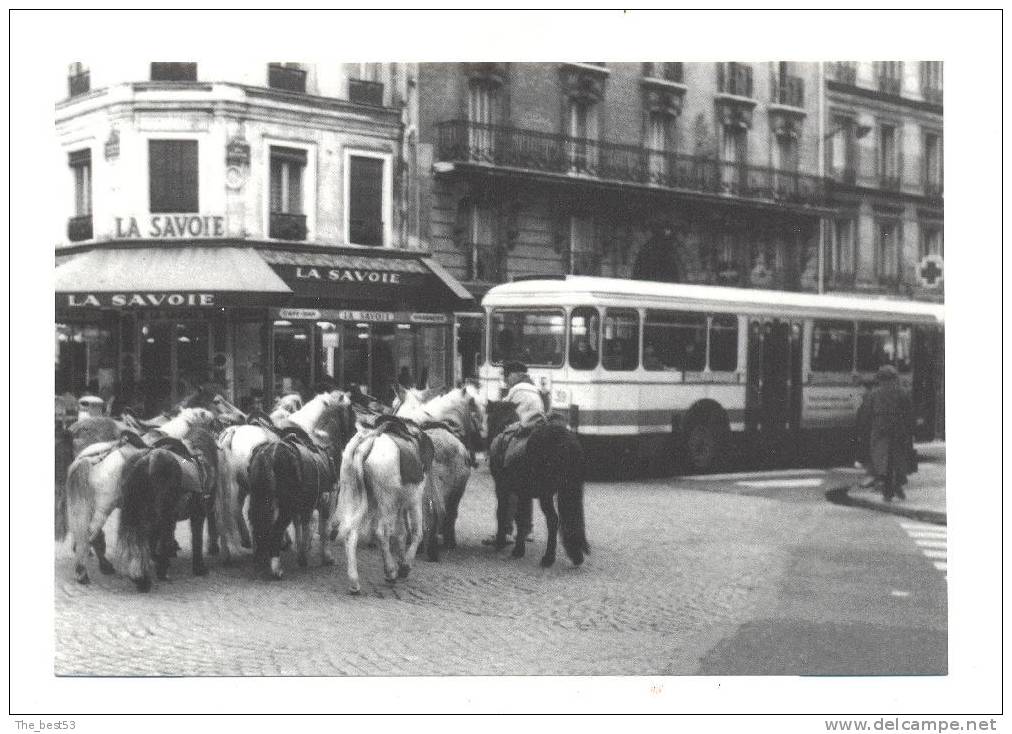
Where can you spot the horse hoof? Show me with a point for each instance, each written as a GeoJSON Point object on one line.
{"type": "Point", "coordinates": [83, 579]}
{"type": "Point", "coordinates": [547, 562]}
{"type": "Point", "coordinates": [354, 589]}
{"type": "Point", "coordinates": [403, 570]}
{"type": "Point", "coordinates": [105, 567]}
{"type": "Point", "coordinates": [143, 584]}
{"type": "Point", "coordinates": [276, 571]}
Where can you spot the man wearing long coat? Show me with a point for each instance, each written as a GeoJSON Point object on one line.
{"type": "Point", "coordinates": [891, 426]}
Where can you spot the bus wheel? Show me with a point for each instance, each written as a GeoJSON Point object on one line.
{"type": "Point", "coordinates": [705, 441]}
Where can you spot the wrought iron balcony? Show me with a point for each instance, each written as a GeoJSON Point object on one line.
{"type": "Point", "coordinates": [461, 141]}
{"type": "Point", "coordinates": [487, 263]}
{"type": "Point", "coordinates": [365, 92]}
{"type": "Point", "coordinates": [79, 228]}
{"type": "Point", "coordinates": [790, 91]}
{"type": "Point", "coordinates": [288, 226]}
{"type": "Point", "coordinates": [290, 78]}
{"type": "Point", "coordinates": [79, 83]}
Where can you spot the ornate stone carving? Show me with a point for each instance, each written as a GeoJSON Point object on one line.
{"type": "Point", "coordinates": [663, 100]}
{"type": "Point", "coordinates": [735, 112]}
{"type": "Point", "coordinates": [490, 73]}
{"type": "Point", "coordinates": [112, 145]}
{"type": "Point", "coordinates": [583, 84]}
{"type": "Point", "coordinates": [786, 121]}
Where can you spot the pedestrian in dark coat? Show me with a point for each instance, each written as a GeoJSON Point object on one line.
{"type": "Point", "coordinates": [862, 433]}
{"type": "Point", "coordinates": [891, 435]}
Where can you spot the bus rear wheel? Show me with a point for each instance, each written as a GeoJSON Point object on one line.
{"type": "Point", "coordinates": [706, 440]}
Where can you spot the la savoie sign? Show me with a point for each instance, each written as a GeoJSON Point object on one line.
{"type": "Point", "coordinates": [170, 226]}
{"type": "Point", "coordinates": [142, 300]}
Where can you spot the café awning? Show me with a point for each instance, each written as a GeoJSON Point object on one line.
{"type": "Point", "coordinates": [168, 277]}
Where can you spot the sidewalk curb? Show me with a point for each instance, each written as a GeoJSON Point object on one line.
{"type": "Point", "coordinates": [841, 496]}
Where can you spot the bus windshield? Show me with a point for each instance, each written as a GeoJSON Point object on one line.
{"type": "Point", "coordinates": [533, 337]}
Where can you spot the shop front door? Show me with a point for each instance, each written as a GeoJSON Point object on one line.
{"type": "Point", "coordinates": [175, 362]}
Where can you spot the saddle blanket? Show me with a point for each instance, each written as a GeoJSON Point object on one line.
{"type": "Point", "coordinates": [413, 444]}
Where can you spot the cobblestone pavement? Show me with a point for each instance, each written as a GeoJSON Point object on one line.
{"type": "Point", "coordinates": [672, 572]}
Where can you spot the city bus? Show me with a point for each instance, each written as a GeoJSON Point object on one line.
{"type": "Point", "coordinates": [661, 370]}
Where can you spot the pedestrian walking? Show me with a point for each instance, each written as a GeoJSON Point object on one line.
{"type": "Point", "coordinates": [890, 448]}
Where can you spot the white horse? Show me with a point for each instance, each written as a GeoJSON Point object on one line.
{"type": "Point", "coordinates": [284, 407]}
{"type": "Point", "coordinates": [237, 444]}
{"type": "Point", "coordinates": [462, 410]}
{"type": "Point", "coordinates": [94, 486]}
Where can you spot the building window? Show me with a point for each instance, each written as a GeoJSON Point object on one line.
{"type": "Point", "coordinates": [788, 88]}
{"type": "Point", "coordinates": [841, 149]}
{"type": "Point", "coordinates": [583, 249]}
{"type": "Point", "coordinates": [172, 166]}
{"type": "Point", "coordinates": [890, 76]}
{"type": "Point", "coordinates": [887, 251]}
{"type": "Point", "coordinates": [481, 106]}
{"type": "Point", "coordinates": [844, 72]}
{"type": "Point", "coordinates": [78, 79]}
{"type": "Point", "coordinates": [173, 71]}
{"type": "Point", "coordinates": [487, 257]}
{"type": "Point", "coordinates": [931, 81]}
{"type": "Point", "coordinates": [669, 71]}
{"type": "Point", "coordinates": [287, 76]}
{"type": "Point", "coordinates": [734, 78]}
{"type": "Point", "coordinates": [583, 133]}
{"type": "Point", "coordinates": [888, 157]}
{"type": "Point", "coordinates": [659, 137]}
{"type": "Point", "coordinates": [288, 219]}
{"type": "Point", "coordinates": [931, 240]}
{"type": "Point", "coordinates": [841, 255]}
{"type": "Point", "coordinates": [932, 164]}
{"type": "Point", "coordinates": [367, 189]}
{"type": "Point", "coordinates": [734, 154]}
{"type": "Point", "coordinates": [80, 225]}
{"type": "Point", "coordinates": [366, 87]}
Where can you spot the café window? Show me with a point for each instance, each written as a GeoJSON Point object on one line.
{"type": "Point", "coordinates": [723, 343]}
{"type": "Point", "coordinates": [80, 167]}
{"type": "Point", "coordinates": [621, 339]}
{"type": "Point", "coordinates": [584, 338]}
{"type": "Point", "coordinates": [674, 340]}
{"type": "Point", "coordinates": [86, 357]}
{"type": "Point", "coordinates": [292, 364]}
{"type": "Point", "coordinates": [876, 346]}
{"type": "Point", "coordinates": [367, 188]}
{"type": "Point", "coordinates": [173, 184]}
{"type": "Point", "coordinates": [832, 346]}
{"type": "Point", "coordinates": [534, 337]}
{"type": "Point", "coordinates": [173, 71]}
{"type": "Point", "coordinates": [904, 346]}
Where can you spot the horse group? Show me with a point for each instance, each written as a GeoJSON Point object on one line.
{"type": "Point", "coordinates": [395, 479]}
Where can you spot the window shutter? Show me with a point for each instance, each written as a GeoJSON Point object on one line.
{"type": "Point", "coordinates": [173, 175]}
{"type": "Point", "coordinates": [365, 201]}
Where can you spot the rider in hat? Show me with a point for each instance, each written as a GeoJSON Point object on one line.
{"type": "Point", "coordinates": [522, 392]}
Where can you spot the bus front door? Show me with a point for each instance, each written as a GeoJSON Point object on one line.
{"type": "Point", "coordinates": [773, 398]}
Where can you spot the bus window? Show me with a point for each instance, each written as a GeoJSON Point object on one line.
{"type": "Point", "coordinates": [904, 345]}
{"type": "Point", "coordinates": [675, 341]}
{"type": "Point", "coordinates": [621, 339]}
{"type": "Point", "coordinates": [533, 337]}
{"type": "Point", "coordinates": [584, 337]}
{"type": "Point", "coordinates": [724, 343]}
{"type": "Point", "coordinates": [832, 346]}
{"type": "Point", "coordinates": [875, 346]}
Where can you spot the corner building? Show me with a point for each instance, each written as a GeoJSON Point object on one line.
{"type": "Point", "coordinates": [246, 227]}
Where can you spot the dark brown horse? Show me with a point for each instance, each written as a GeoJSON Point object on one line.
{"type": "Point", "coordinates": [552, 463]}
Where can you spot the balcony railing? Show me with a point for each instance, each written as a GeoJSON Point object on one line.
{"type": "Point", "coordinates": [843, 175]}
{"type": "Point", "coordinates": [487, 263]}
{"type": "Point", "coordinates": [790, 91]}
{"type": "Point", "coordinates": [290, 78]}
{"type": "Point", "coordinates": [365, 92]}
{"type": "Point", "coordinates": [468, 142]}
{"type": "Point", "coordinates": [288, 226]}
{"type": "Point", "coordinates": [79, 228]}
{"type": "Point", "coordinates": [889, 182]}
{"type": "Point", "coordinates": [79, 83]}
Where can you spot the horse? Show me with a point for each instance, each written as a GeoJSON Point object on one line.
{"type": "Point", "coordinates": [284, 406]}
{"type": "Point", "coordinates": [161, 486]}
{"type": "Point", "coordinates": [94, 486]}
{"type": "Point", "coordinates": [375, 492]}
{"type": "Point", "coordinates": [237, 444]}
{"type": "Point", "coordinates": [552, 464]}
{"type": "Point", "coordinates": [290, 478]}
{"type": "Point", "coordinates": [455, 422]}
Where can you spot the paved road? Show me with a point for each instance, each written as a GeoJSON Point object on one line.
{"type": "Point", "coordinates": [754, 574]}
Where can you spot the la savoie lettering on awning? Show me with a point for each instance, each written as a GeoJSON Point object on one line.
{"type": "Point", "coordinates": [149, 300]}
{"type": "Point", "coordinates": [347, 275]}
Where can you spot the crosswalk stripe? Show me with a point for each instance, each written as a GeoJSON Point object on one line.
{"type": "Point", "coordinates": [941, 565]}
{"type": "Point", "coordinates": [934, 553]}
{"type": "Point", "coordinates": [930, 543]}
{"type": "Point", "coordinates": [927, 533]}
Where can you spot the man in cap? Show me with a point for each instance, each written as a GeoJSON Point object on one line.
{"type": "Point", "coordinates": [891, 425]}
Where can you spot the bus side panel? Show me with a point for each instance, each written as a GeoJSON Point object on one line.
{"type": "Point", "coordinates": [830, 401]}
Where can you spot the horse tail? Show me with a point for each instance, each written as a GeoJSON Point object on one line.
{"type": "Point", "coordinates": [353, 495]}
{"type": "Point", "coordinates": [274, 474]}
{"type": "Point", "coordinates": [148, 482]}
{"type": "Point", "coordinates": [569, 463]}
{"type": "Point", "coordinates": [78, 499]}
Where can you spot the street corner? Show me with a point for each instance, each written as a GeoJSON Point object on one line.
{"type": "Point", "coordinates": [919, 504]}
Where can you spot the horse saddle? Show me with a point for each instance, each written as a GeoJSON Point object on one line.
{"type": "Point", "coordinates": [510, 447]}
{"type": "Point", "coordinates": [413, 444]}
